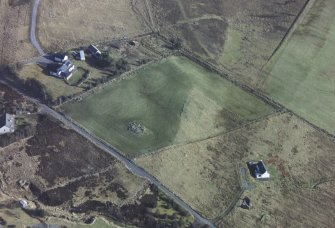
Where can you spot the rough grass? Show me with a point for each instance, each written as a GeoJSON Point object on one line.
{"type": "Point", "coordinates": [300, 160]}
{"type": "Point", "coordinates": [56, 87]}
{"type": "Point", "coordinates": [176, 101]}
{"type": "Point", "coordinates": [61, 27]}
{"type": "Point", "coordinates": [301, 76]}
{"type": "Point", "coordinates": [204, 174]}
{"type": "Point", "coordinates": [237, 35]}
{"type": "Point", "coordinates": [19, 218]}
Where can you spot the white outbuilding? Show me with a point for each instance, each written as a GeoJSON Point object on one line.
{"type": "Point", "coordinates": [7, 124]}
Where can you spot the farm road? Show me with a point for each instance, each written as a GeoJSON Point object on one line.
{"type": "Point", "coordinates": [33, 28]}
{"type": "Point", "coordinates": [115, 153]}
{"type": "Point", "coordinates": [131, 166]}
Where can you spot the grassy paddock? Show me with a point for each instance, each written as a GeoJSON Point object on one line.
{"type": "Point", "coordinates": [301, 76]}
{"type": "Point", "coordinates": [175, 101]}
{"type": "Point", "coordinates": [77, 76]}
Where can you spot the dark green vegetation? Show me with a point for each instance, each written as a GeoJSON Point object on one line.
{"type": "Point", "coordinates": [106, 187]}
{"type": "Point", "coordinates": [59, 157]}
{"type": "Point", "coordinates": [301, 75]}
{"type": "Point", "coordinates": [152, 209]}
{"type": "Point", "coordinates": [64, 171]}
{"type": "Point", "coordinates": [13, 103]}
{"type": "Point", "coordinates": [174, 101]}
{"type": "Point", "coordinates": [18, 2]}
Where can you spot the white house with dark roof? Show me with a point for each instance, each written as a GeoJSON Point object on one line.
{"type": "Point", "coordinates": [258, 170]}
{"type": "Point", "coordinates": [7, 124]}
{"type": "Point", "coordinates": [63, 71]}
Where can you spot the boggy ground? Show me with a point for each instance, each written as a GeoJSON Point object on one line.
{"type": "Point", "coordinates": [65, 172]}
{"type": "Point", "coordinates": [299, 158]}
{"type": "Point", "coordinates": [239, 35]}
{"type": "Point", "coordinates": [10, 101]}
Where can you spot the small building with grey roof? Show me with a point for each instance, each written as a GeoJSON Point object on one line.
{"type": "Point", "coordinates": [7, 124]}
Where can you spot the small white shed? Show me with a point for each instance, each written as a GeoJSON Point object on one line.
{"type": "Point", "coordinates": [82, 55]}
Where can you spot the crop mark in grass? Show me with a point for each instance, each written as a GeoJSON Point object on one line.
{"type": "Point", "coordinates": [155, 98]}
{"type": "Point", "coordinates": [197, 19]}
{"type": "Point", "coordinates": [300, 75]}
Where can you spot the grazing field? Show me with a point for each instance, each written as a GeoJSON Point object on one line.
{"type": "Point", "coordinates": [238, 35]}
{"type": "Point", "coordinates": [172, 102]}
{"type": "Point", "coordinates": [301, 75]}
{"type": "Point", "coordinates": [63, 24]}
{"type": "Point", "coordinates": [300, 161]}
{"type": "Point", "coordinates": [14, 37]}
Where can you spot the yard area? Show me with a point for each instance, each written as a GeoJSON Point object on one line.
{"type": "Point", "coordinates": [174, 101]}
{"type": "Point", "coordinates": [301, 75]}
{"type": "Point", "coordinates": [55, 87]}
{"type": "Point", "coordinates": [299, 158]}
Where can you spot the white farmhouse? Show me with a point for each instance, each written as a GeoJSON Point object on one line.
{"type": "Point", "coordinates": [7, 124]}
{"type": "Point", "coordinates": [258, 170]}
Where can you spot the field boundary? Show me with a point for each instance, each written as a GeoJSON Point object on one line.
{"type": "Point", "coordinates": [70, 181]}
{"type": "Point", "coordinates": [296, 22]}
{"type": "Point", "coordinates": [256, 92]}
{"type": "Point", "coordinates": [82, 95]}
{"type": "Point", "coordinates": [250, 123]}
{"type": "Point", "coordinates": [129, 164]}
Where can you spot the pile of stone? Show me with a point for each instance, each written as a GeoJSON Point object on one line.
{"type": "Point", "coordinates": [136, 128]}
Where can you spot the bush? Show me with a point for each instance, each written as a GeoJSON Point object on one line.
{"type": "Point", "coordinates": [21, 133]}
{"type": "Point", "coordinates": [149, 201]}
{"type": "Point", "coordinates": [175, 43]}
{"type": "Point", "coordinates": [36, 212]}
{"type": "Point", "coordinates": [104, 61]}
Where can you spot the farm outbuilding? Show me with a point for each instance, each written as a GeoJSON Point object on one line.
{"type": "Point", "coordinates": [94, 51]}
{"type": "Point", "coordinates": [82, 55]}
{"type": "Point", "coordinates": [7, 124]}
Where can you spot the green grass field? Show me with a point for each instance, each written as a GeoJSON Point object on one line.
{"type": "Point", "coordinates": [77, 76]}
{"type": "Point", "coordinates": [301, 75]}
{"type": "Point", "coordinates": [176, 101]}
